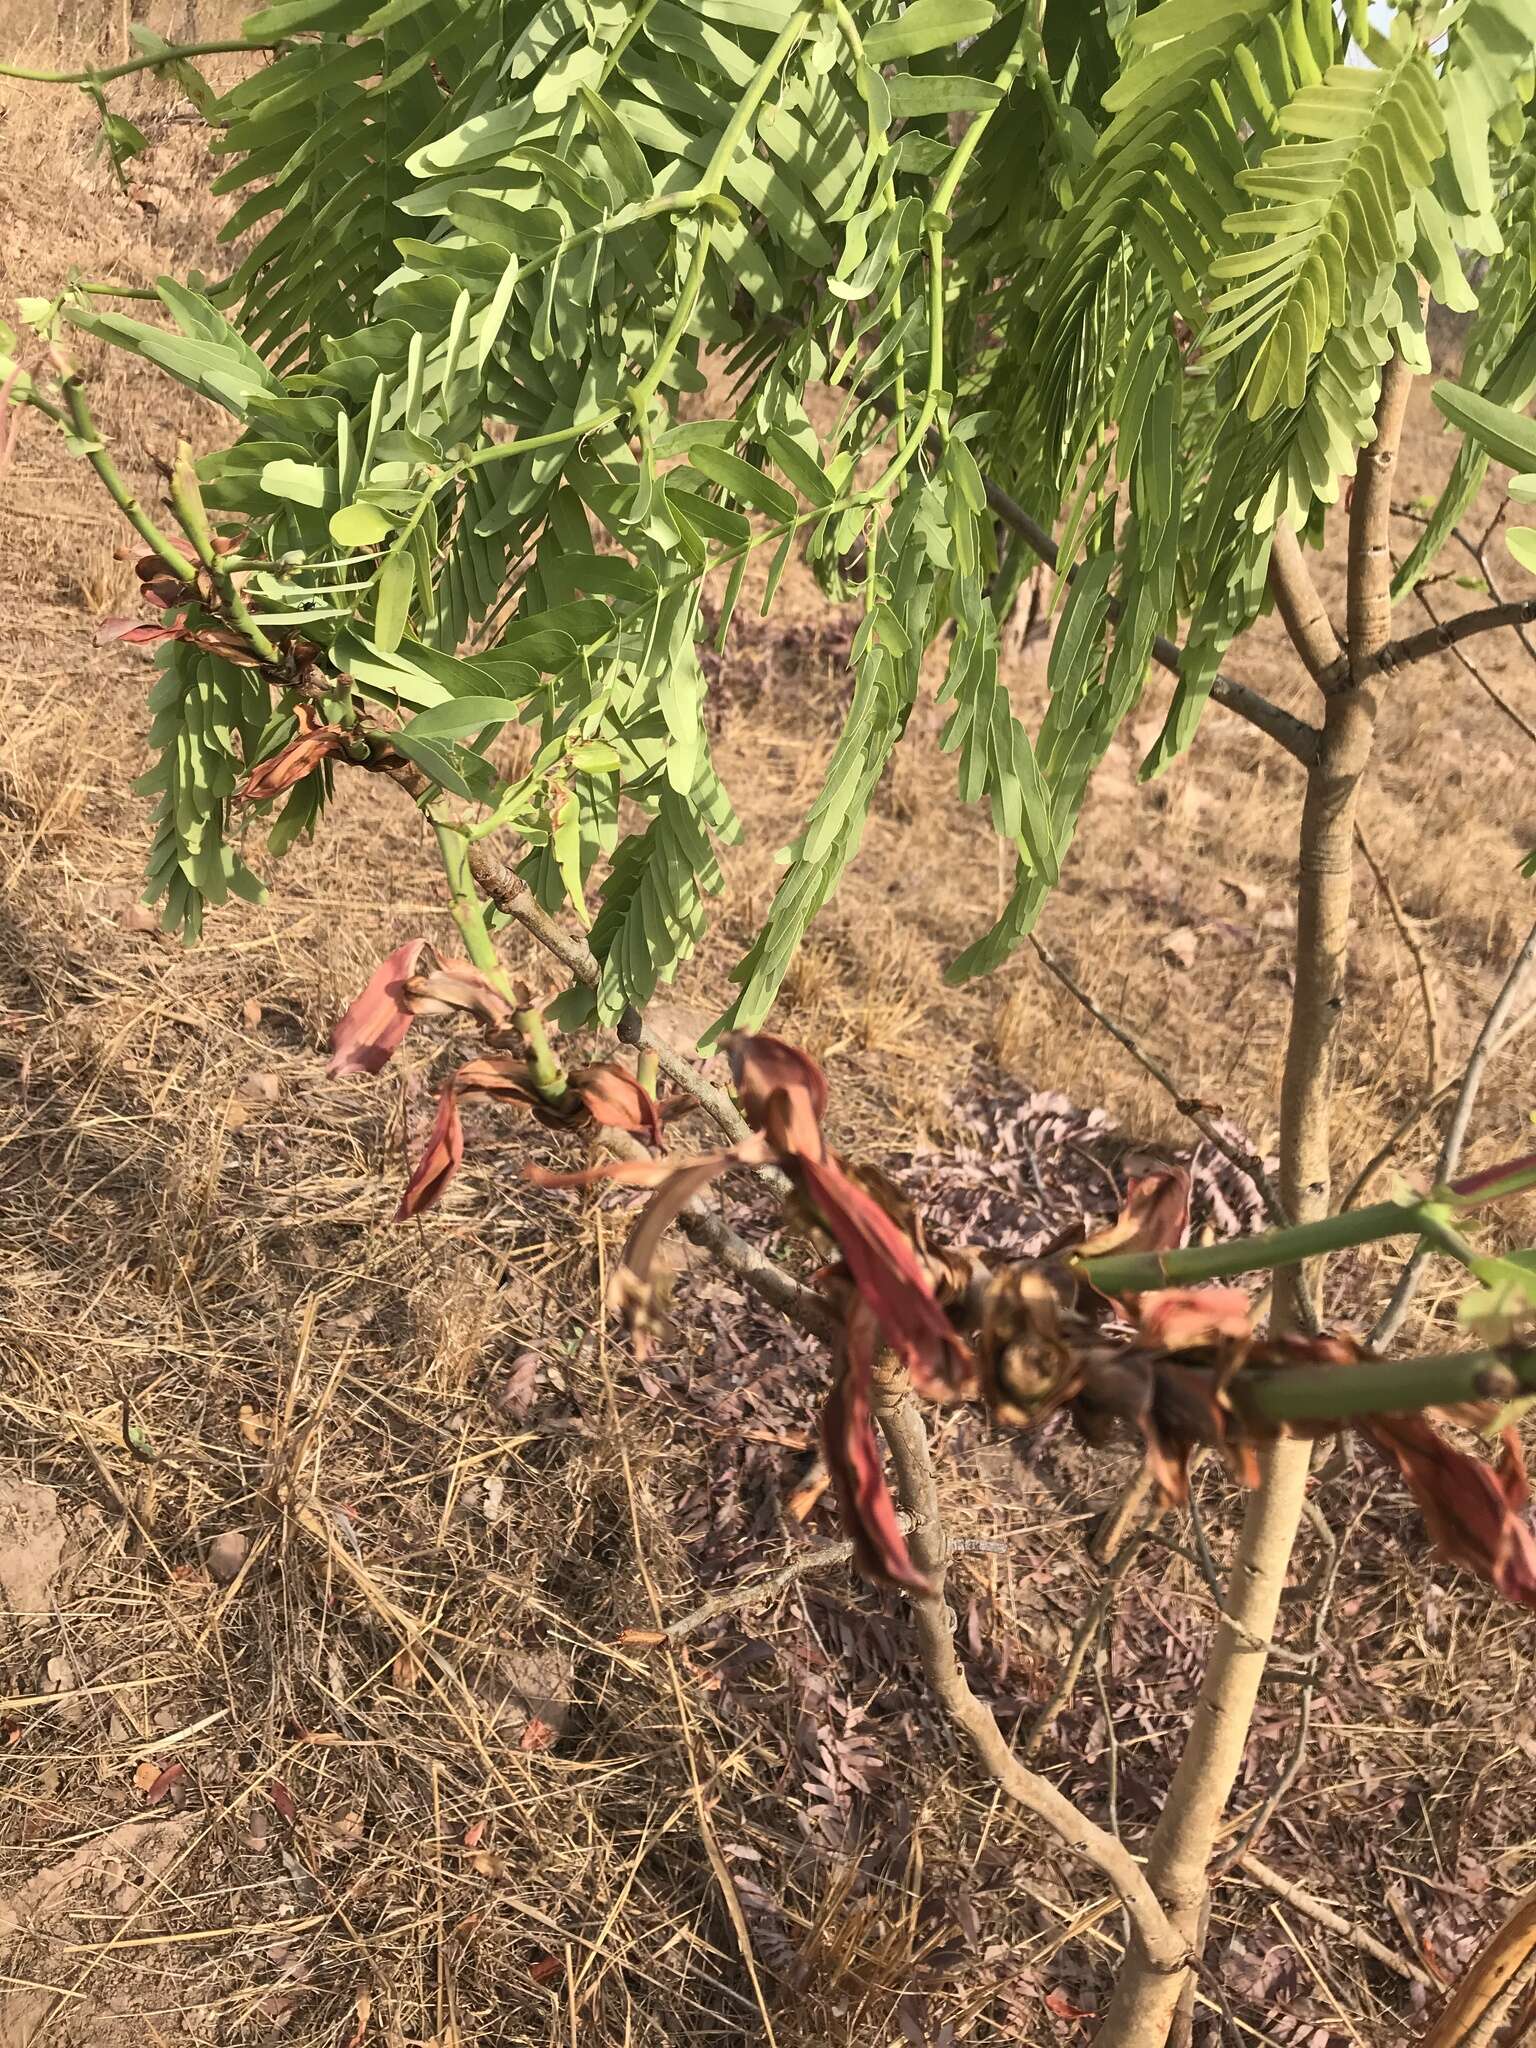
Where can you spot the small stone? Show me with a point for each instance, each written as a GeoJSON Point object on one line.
{"type": "Point", "coordinates": [226, 1554]}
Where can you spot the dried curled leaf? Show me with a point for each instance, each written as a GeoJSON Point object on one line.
{"type": "Point", "coordinates": [1474, 1511]}
{"type": "Point", "coordinates": [375, 1025]}
{"type": "Point", "coordinates": [854, 1460]}
{"type": "Point", "coordinates": [311, 744]}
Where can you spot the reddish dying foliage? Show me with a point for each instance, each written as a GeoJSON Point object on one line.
{"type": "Point", "coordinates": [312, 744]}
{"type": "Point", "coordinates": [1183, 1375]}
{"type": "Point", "coordinates": [374, 1027]}
{"type": "Point", "coordinates": [1474, 1511]}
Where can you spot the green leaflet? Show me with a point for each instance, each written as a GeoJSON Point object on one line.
{"type": "Point", "coordinates": [927, 25]}
{"type": "Point", "coordinates": [1370, 137]}
{"type": "Point", "coordinates": [1508, 436]}
{"type": "Point", "coordinates": [466, 342]}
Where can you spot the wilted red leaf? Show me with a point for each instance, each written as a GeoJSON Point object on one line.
{"type": "Point", "coordinates": [473, 1833]}
{"type": "Point", "coordinates": [283, 1800]}
{"type": "Point", "coordinates": [854, 1461]}
{"type": "Point", "coordinates": [136, 632]}
{"type": "Point", "coordinates": [290, 764]}
{"type": "Point", "coordinates": [546, 1969]}
{"type": "Point", "coordinates": [1059, 2003]}
{"type": "Point", "coordinates": [782, 1090]}
{"type": "Point", "coordinates": [158, 1784]}
{"type": "Point", "coordinates": [439, 1163]}
{"type": "Point", "coordinates": [536, 1735]}
{"type": "Point", "coordinates": [1473, 1510]}
{"type": "Point", "coordinates": [885, 1270]}
{"type": "Point", "coordinates": [227, 644]}
{"type": "Point", "coordinates": [374, 1027]}
{"type": "Point", "coordinates": [1180, 1318]}
{"type": "Point", "coordinates": [1473, 1187]}
{"type": "Point", "coordinates": [1154, 1218]}
{"type": "Point", "coordinates": [457, 985]}
{"type": "Point", "coordinates": [616, 1100]}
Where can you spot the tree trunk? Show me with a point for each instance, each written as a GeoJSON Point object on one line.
{"type": "Point", "coordinates": [1146, 1998]}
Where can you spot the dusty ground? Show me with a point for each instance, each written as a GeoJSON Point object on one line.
{"type": "Point", "coordinates": [317, 1537]}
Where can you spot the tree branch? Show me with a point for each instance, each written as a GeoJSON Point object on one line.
{"type": "Point", "coordinates": [1416, 1115]}
{"type": "Point", "coordinates": [1245, 1161]}
{"type": "Point", "coordinates": [1328, 1916]}
{"type": "Point", "coordinates": [1298, 738]}
{"type": "Point", "coordinates": [511, 895]}
{"type": "Point", "coordinates": [1433, 1046]}
{"type": "Point", "coordinates": [902, 1424]}
{"type": "Point", "coordinates": [1304, 615]}
{"type": "Point", "coordinates": [1465, 662]}
{"type": "Point", "coordinates": [1179, 1852]}
{"type": "Point", "coordinates": [768, 1280]}
{"type": "Point", "coordinates": [1390, 1320]}
{"type": "Point", "coordinates": [1438, 639]}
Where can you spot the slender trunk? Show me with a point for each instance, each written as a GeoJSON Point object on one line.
{"type": "Point", "coordinates": [1146, 1997]}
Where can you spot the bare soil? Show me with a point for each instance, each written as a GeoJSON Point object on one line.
{"type": "Point", "coordinates": [318, 1537]}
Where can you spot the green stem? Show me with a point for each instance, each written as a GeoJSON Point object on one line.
{"type": "Point", "coordinates": [938, 221]}
{"type": "Point", "coordinates": [687, 299]}
{"type": "Point", "coordinates": [711, 187]}
{"type": "Point", "coordinates": [713, 179]}
{"type": "Point", "coordinates": [468, 912]}
{"type": "Point", "coordinates": [549, 1077]}
{"type": "Point", "coordinates": [1382, 1386]}
{"type": "Point", "coordinates": [1137, 1272]}
{"type": "Point", "coordinates": [188, 504]}
{"type": "Point", "coordinates": [152, 61]}
{"type": "Point", "coordinates": [528, 444]}
{"type": "Point", "coordinates": [545, 1071]}
{"type": "Point", "coordinates": [84, 427]}
{"type": "Point", "coordinates": [648, 1069]}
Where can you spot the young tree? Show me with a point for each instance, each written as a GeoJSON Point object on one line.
{"type": "Point", "coordinates": [1138, 292]}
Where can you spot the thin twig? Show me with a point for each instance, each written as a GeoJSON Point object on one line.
{"type": "Point", "coordinates": [731, 1599]}
{"type": "Point", "coordinates": [1298, 738]}
{"type": "Point", "coordinates": [1084, 1640]}
{"type": "Point", "coordinates": [1240, 1156]}
{"type": "Point", "coordinates": [1390, 1320]}
{"type": "Point", "coordinates": [1314, 1908]}
{"type": "Point", "coordinates": [1433, 1040]}
{"type": "Point", "coordinates": [1417, 1114]}
{"type": "Point", "coordinates": [704, 1225]}
{"type": "Point", "coordinates": [1440, 638]}
{"type": "Point", "coordinates": [1500, 703]}
{"type": "Point", "coordinates": [901, 1421]}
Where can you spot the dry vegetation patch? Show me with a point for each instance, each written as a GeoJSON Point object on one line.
{"type": "Point", "coordinates": [318, 1538]}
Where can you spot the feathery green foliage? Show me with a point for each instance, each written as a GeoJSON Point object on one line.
{"type": "Point", "coordinates": [1141, 269]}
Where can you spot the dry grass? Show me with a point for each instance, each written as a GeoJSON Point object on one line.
{"type": "Point", "coordinates": [428, 1796]}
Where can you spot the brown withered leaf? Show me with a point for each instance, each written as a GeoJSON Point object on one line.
{"type": "Point", "coordinates": [1473, 1510]}
{"type": "Point", "coordinates": [374, 1026]}
{"type": "Point", "coordinates": [854, 1459]}
{"type": "Point", "coordinates": [302, 755]}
